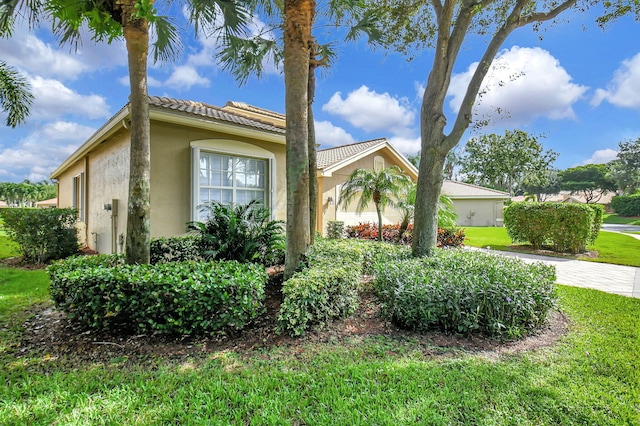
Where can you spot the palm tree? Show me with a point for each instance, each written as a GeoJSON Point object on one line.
{"type": "Point", "coordinates": [129, 19]}
{"type": "Point", "coordinates": [379, 187]}
{"type": "Point", "coordinates": [15, 97]}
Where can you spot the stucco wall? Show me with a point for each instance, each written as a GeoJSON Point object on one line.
{"type": "Point", "coordinates": [328, 187]}
{"type": "Point", "coordinates": [171, 175]}
{"type": "Point", "coordinates": [108, 179]}
{"type": "Point", "coordinates": [65, 193]}
{"type": "Point", "coordinates": [478, 212]}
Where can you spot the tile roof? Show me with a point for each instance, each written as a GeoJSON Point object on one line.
{"type": "Point", "coordinates": [456, 189]}
{"type": "Point", "coordinates": [210, 111]}
{"type": "Point", "coordinates": [330, 156]}
{"type": "Point", "coordinates": [251, 108]}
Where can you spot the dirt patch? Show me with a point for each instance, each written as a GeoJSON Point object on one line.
{"type": "Point", "coordinates": [50, 333]}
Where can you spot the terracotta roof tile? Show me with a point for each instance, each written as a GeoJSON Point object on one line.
{"type": "Point", "coordinates": [210, 111]}
{"type": "Point", "coordinates": [251, 108]}
{"type": "Point", "coordinates": [330, 156]}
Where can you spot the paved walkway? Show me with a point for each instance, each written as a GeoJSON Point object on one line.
{"type": "Point", "coordinates": [623, 280]}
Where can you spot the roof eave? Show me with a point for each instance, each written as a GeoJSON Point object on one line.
{"type": "Point", "coordinates": [108, 129]}
{"type": "Point", "coordinates": [328, 171]}
{"type": "Point", "coordinates": [117, 122]}
{"type": "Point", "coordinates": [169, 116]}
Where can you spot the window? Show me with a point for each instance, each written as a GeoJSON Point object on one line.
{"type": "Point", "coordinates": [78, 197]}
{"type": "Point", "coordinates": [236, 177]}
{"type": "Point", "coordinates": [378, 163]}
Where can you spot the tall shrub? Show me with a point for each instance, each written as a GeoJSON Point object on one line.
{"type": "Point", "coordinates": [628, 205]}
{"type": "Point", "coordinates": [564, 226]}
{"type": "Point", "coordinates": [43, 234]}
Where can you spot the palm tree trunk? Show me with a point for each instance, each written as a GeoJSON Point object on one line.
{"type": "Point", "coordinates": [379, 211]}
{"type": "Point", "coordinates": [297, 35]}
{"type": "Point", "coordinates": [313, 159]}
{"type": "Point", "coordinates": [136, 35]}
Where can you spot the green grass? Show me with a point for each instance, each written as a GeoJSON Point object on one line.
{"type": "Point", "coordinates": [592, 376]}
{"type": "Point", "coordinates": [19, 290]}
{"type": "Point", "coordinates": [612, 247]}
{"type": "Point", "coordinates": [621, 220]}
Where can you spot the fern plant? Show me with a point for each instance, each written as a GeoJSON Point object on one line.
{"type": "Point", "coordinates": [244, 232]}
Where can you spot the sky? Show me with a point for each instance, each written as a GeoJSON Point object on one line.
{"type": "Point", "coordinates": [573, 85]}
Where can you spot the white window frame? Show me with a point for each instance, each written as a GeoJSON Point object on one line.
{"type": "Point", "coordinates": [378, 163]}
{"type": "Point", "coordinates": [236, 149]}
{"type": "Point", "coordinates": [78, 195]}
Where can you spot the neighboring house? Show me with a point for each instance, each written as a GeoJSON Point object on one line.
{"type": "Point", "coordinates": [568, 197]}
{"type": "Point", "coordinates": [334, 167]}
{"type": "Point", "coordinates": [199, 153]}
{"type": "Point", "coordinates": [47, 204]}
{"type": "Point", "coordinates": [476, 205]}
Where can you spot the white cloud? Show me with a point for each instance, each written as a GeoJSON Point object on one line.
{"type": "Point", "coordinates": [53, 99]}
{"type": "Point", "coordinates": [329, 135]}
{"type": "Point", "coordinates": [151, 82]}
{"type": "Point", "coordinates": [185, 77]}
{"type": "Point", "coordinates": [624, 88]}
{"type": "Point", "coordinates": [371, 111]}
{"type": "Point", "coordinates": [406, 145]}
{"type": "Point", "coordinates": [522, 84]}
{"type": "Point", "coordinates": [602, 156]}
{"type": "Point", "coordinates": [28, 52]}
{"type": "Point", "coordinates": [42, 150]}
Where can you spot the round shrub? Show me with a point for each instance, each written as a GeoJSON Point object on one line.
{"type": "Point", "coordinates": [168, 298]}
{"type": "Point", "coordinates": [464, 291]}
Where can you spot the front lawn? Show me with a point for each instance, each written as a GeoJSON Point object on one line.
{"type": "Point", "coordinates": [612, 247]}
{"type": "Point", "coordinates": [589, 377]}
{"type": "Point", "coordinates": [621, 220]}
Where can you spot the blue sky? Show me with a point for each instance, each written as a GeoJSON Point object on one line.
{"type": "Point", "coordinates": [578, 86]}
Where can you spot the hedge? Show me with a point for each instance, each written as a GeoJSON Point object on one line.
{"type": "Point", "coordinates": [626, 205]}
{"type": "Point", "coordinates": [391, 234]}
{"type": "Point", "coordinates": [465, 292]}
{"type": "Point", "coordinates": [173, 298]}
{"type": "Point", "coordinates": [328, 288]}
{"type": "Point", "coordinates": [563, 226]}
{"type": "Point", "coordinates": [43, 234]}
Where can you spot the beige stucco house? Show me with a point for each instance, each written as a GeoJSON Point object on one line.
{"type": "Point", "coordinates": [234, 154]}
{"type": "Point", "coordinates": [334, 167]}
{"type": "Point", "coordinates": [476, 205]}
{"type": "Point", "coordinates": [199, 152]}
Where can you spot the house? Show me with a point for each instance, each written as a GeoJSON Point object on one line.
{"type": "Point", "coordinates": [199, 153]}
{"type": "Point", "coordinates": [334, 167]}
{"type": "Point", "coordinates": [476, 205]}
{"type": "Point", "coordinates": [47, 204]}
{"type": "Point", "coordinates": [567, 197]}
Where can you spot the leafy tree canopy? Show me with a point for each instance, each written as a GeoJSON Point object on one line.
{"type": "Point", "coordinates": [625, 170]}
{"type": "Point", "coordinates": [506, 162]}
{"type": "Point", "coordinates": [591, 181]}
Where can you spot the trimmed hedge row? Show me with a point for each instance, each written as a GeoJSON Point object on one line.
{"type": "Point", "coordinates": [328, 288]}
{"type": "Point", "coordinates": [564, 226]}
{"type": "Point", "coordinates": [174, 298]}
{"type": "Point", "coordinates": [175, 249]}
{"type": "Point", "coordinates": [43, 234]}
{"type": "Point", "coordinates": [466, 291]}
{"type": "Point", "coordinates": [626, 205]}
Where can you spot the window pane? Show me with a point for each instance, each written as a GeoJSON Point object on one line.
{"type": "Point", "coordinates": [240, 180]}
{"type": "Point", "coordinates": [226, 196]}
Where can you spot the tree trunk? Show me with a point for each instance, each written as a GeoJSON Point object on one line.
{"type": "Point", "coordinates": [136, 34]}
{"type": "Point", "coordinates": [379, 212]}
{"type": "Point", "coordinates": [297, 35]}
{"type": "Point", "coordinates": [425, 220]}
{"type": "Point", "coordinates": [313, 158]}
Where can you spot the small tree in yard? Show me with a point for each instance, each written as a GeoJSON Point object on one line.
{"type": "Point", "coordinates": [444, 25]}
{"type": "Point", "coordinates": [591, 181]}
{"type": "Point", "coordinates": [379, 187]}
